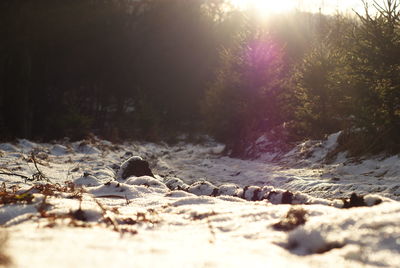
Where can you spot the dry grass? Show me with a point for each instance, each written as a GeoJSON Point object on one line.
{"type": "Point", "coordinates": [295, 217]}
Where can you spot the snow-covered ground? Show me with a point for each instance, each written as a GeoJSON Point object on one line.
{"type": "Point", "coordinates": [67, 206]}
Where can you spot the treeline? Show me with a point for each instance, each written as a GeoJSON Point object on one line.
{"type": "Point", "coordinates": [151, 69]}
{"type": "Point", "coordinates": [118, 68]}
{"type": "Point", "coordinates": [339, 73]}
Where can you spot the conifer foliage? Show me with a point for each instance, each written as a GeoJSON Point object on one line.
{"type": "Point", "coordinates": [374, 75]}
{"type": "Point", "coordinates": [244, 98]}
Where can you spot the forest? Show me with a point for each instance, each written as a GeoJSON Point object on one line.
{"type": "Point", "coordinates": [153, 70]}
{"type": "Point", "coordinates": [199, 133]}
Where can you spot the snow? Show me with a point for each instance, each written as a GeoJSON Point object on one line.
{"type": "Point", "coordinates": [58, 150]}
{"type": "Point", "coordinates": [200, 209]}
{"type": "Point", "coordinates": [8, 147]}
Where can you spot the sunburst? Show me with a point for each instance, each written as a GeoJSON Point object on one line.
{"type": "Point", "coordinates": [266, 7]}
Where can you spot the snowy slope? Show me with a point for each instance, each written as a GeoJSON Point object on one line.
{"type": "Point", "coordinates": [302, 169]}
{"type": "Point", "coordinates": [197, 212]}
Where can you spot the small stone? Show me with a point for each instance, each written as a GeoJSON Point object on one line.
{"type": "Point", "coordinates": [203, 188]}
{"type": "Point", "coordinates": [134, 166]}
{"type": "Point", "coordinates": [354, 201]}
{"type": "Point", "coordinates": [287, 197]}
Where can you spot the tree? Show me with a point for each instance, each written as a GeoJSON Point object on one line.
{"type": "Point", "coordinates": [374, 64]}
{"type": "Point", "coordinates": [322, 99]}
{"type": "Point", "coordinates": [245, 96]}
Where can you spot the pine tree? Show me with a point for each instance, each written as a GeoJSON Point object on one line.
{"type": "Point", "coordinates": [244, 98]}
{"type": "Point", "coordinates": [373, 60]}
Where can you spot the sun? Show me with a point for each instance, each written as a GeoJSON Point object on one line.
{"type": "Point", "coordinates": [265, 7]}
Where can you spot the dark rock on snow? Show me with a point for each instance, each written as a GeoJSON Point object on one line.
{"type": "Point", "coordinates": [134, 166]}
{"type": "Point", "coordinates": [287, 197]}
{"type": "Point", "coordinates": [358, 201]}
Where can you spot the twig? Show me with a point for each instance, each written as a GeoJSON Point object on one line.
{"type": "Point", "coordinates": [212, 232]}
{"type": "Point", "coordinates": [111, 196]}
{"type": "Point", "coordinates": [39, 174]}
{"type": "Point", "coordinates": [107, 216]}
{"type": "Point", "coordinates": [15, 174]}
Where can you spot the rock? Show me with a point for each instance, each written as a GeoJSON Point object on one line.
{"type": "Point", "coordinates": [134, 166]}
{"type": "Point", "coordinates": [114, 166]}
{"type": "Point", "coordinates": [203, 188]}
{"type": "Point", "coordinates": [275, 196]}
{"type": "Point", "coordinates": [265, 190]}
{"type": "Point", "coordinates": [175, 184]}
{"type": "Point", "coordinates": [279, 196]}
{"type": "Point", "coordinates": [251, 193]}
{"type": "Point", "coordinates": [287, 197]}
{"type": "Point", "coordinates": [230, 190]}
{"type": "Point", "coordinates": [354, 201]}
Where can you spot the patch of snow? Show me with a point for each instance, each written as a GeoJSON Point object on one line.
{"type": "Point", "coordinates": [148, 182]}
{"type": "Point", "coordinates": [8, 147]}
{"type": "Point", "coordinates": [311, 152]}
{"type": "Point", "coordinates": [179, 194]}
{"type": "Point", "coordinates": [88, 180]}
{"type": "Point", "coordinates": [331, 141]}
{"type": "Point", "coordinates": [10, 212]}
{"type": "Point", "coordinates": [218, 149]}
{"type": "Point", "coordinates": [364, 235]}
{"type": "Point", "coordinates": [116, 189]}
{"type": "Point", "coordinates": [372, 200]}
{"type": "Point", "coordinates": [26, 145]}
{"type": "Point", "coordinates": [58, 150]}
{"type": "Point", "coordinates": [106, 143]}
{"type": "Point", "coordinates": [197, 200]}
{"type": "Point", "coordinates": [85, 148]}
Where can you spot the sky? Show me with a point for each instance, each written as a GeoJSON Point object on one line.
{"type": "Point", "coordinates": [331, 6]}
{"type": "Point", "coordinates": [266, 7]}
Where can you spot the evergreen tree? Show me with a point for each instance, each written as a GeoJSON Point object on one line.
{"type": "Point", "coordinates": [373, 72]}
{"type": "Point", "coordinates": [322, 99]}
{"type": "Point", "coordinates": [245, 96]}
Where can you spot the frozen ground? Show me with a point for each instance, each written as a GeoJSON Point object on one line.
{"type": "Point", "coordinates": [200, 209]}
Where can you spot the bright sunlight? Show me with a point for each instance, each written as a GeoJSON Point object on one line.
{"type": "Point", "coordinates": [265, 7]}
